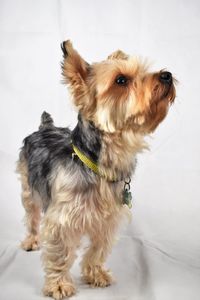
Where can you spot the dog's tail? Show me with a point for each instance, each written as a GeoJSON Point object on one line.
{"type": "Point", "coordinates": [46, 120]}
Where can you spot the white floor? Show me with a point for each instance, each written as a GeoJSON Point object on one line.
{"type": "Point", "coordinates": [141, 272]}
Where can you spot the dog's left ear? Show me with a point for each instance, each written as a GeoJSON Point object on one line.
{"type": "Point", "coordinates": [74, 69]}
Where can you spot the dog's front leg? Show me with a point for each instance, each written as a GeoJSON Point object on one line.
{"type": "Point", "coordinates": [93, 270]}
{"type": "Point", "coordinates": [59, 244]}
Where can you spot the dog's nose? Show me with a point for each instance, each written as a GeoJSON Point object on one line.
{"type": "Point", "coordinates": [166, 77]}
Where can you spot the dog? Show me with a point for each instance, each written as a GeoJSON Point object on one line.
{"type": "Point", "coordinates": [80, 179]}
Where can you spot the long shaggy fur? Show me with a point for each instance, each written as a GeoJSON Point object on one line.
{"type": "Point", "coordinates": [112, 123]}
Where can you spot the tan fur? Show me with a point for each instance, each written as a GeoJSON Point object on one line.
{"type": "Point", "coordinates": [118, 55]}
{"type": "Point", "coordinates": [32, 209]}
{"type": "Point", "coordinates": [124, 114]}
{"type": "Point", "coordinates": [70, 216]}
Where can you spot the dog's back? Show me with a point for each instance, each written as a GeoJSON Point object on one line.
{"type": "Point", "coordinates": [42, 151]}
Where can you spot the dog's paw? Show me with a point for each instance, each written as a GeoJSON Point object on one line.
{"type": "Point", "coordinates": [59, 289]}
{"type": "Point", "coordinates": [97, 276]}
{"type": "Point", "coordinates": [30, 243]}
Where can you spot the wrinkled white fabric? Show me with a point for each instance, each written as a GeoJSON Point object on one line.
{"type": "Point", "coordinates": [157, 256]}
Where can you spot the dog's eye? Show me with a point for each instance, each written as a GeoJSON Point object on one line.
{"type": "Point", "coordinates": [121, 80]}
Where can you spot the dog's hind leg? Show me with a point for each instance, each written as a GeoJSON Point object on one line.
{"type": "Point", "coordinates": [32, 210]}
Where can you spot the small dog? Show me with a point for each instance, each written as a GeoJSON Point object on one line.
{"type": "Point", "coordinates": [80, 179]}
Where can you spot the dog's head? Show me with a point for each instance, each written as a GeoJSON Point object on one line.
{"type": "Point", "coordinates": [119, 92]}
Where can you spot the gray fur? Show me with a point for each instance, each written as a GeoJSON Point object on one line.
{"type": "Point", "coordinates": [50, 148]}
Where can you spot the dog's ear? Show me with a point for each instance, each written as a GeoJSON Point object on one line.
{"type": "Point", "coordinates": [74, 69]}
{"type": "Point", "coordinates": [118, 55]}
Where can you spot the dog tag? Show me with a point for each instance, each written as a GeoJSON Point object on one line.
{"type": "Point", "coordinates": [127, 197]}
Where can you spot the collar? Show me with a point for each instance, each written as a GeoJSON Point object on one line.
{"type": "Point", "coordinates": [92, 165]}
{"type": "Point", "coordinates": [126, 195]}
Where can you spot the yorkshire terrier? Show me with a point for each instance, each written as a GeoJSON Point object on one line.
{"type": "Point", "coordinates": [80, 179]}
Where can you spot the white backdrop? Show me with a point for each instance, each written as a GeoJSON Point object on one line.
{"type": "Point", "coordinates": [158, 255]}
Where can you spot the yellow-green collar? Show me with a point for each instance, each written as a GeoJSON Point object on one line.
{"type": "Point", "coordinates": [91, 164]}
{"type": "Point", "coordinates": [126, 195]}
